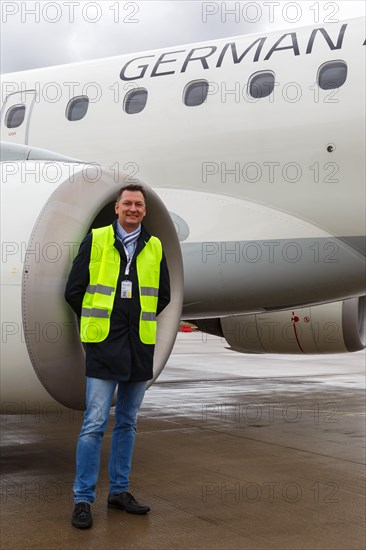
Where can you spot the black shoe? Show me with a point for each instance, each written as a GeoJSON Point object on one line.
{"type": "Point", "coordinates": [125, 501]}
{"type": "Point", "coordinates": [81, 517]}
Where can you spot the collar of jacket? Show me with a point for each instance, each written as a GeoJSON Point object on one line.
{"type": "Point", "coordinates": [141, 241]}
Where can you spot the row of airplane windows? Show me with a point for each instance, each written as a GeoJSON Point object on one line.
{"type": "Point", "coordinates": [332, 74]}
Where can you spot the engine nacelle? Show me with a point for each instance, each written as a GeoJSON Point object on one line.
{"type": "Point", "coordinates": [47, 209]}
{"type": "Point", "coordinates": [327, 328]}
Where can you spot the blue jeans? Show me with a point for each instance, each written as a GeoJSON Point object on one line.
{"type": "Point", "coordinates": [99, 394]}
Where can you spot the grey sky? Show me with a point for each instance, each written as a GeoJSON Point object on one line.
{"type": "Point", "coordinates": [43, 33]}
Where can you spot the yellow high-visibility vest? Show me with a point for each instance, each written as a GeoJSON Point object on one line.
{"type": "Point", "coordinates": [104, 267]}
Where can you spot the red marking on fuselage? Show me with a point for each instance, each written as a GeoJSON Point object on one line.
{"type": "Point", "coordinates": [295, 319]}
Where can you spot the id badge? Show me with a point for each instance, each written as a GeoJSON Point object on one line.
{"type": "Point", "coordinates": [126, 289]}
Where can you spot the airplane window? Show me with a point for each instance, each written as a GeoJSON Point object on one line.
{"type": "Point", "coordinates": [261, 84]}
{"type": "Point", "coordinates": [332, 75]}
{"type": "Point", "coordinates": [77, 108]}
{"type": "Point", "coordinates": [195, 93]}
{"type": "Point", "coordinates": [135, 101]}
{"type": "Point", "coordinates": [15, 116]}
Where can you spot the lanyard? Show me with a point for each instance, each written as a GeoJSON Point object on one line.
{"type": "Point", "coordinates": [129, 260]}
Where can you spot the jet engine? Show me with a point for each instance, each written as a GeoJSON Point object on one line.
{"type": "Point", "coordinates": [48, 206]}
{"type": "Point", "coordinates": [326, 328]}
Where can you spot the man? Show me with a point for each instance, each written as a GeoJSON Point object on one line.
{"type": "Point", "coordinates": [118, 283]}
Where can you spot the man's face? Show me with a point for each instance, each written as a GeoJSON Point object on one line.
{"type": "Point", "coordinates": [130, 209]}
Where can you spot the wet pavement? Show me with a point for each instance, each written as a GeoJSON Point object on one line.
{"type": "Point", "coordinates": [232, 452]}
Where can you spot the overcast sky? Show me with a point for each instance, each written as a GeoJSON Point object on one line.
{"type": "Point", "coordinates": [42, 33]}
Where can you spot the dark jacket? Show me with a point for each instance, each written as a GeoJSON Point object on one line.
{"type": "Point", "coordinates": [122, 355]}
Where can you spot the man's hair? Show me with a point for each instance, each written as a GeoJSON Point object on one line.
{"type": "Point", "coordinates": [131, 187]}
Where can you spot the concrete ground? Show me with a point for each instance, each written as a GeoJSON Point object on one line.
{"type": "Point", "coordinates": [232, 452]}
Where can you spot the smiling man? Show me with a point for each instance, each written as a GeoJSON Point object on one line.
{"type": "Point", "coordinates": [117, 286]}
{"type": "Point", "coordinates": [130, 209]}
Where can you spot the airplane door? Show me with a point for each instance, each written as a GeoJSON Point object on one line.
{"type": "Point", "coordinates": [15, 116]}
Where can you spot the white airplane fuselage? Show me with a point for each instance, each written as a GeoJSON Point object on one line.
{"type": "Point", "coordinates": [271, 151]}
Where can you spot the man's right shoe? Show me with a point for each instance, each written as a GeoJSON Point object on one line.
{"type": "Point", "coordinates": [81, 517]}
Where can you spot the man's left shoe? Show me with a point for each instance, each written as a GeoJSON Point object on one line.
{"type": "Point", "coordinates": [81, 516]}
{"type": "Point", "coordinates": [125, 501]}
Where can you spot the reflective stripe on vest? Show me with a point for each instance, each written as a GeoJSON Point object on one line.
{"type": "Point", "coordinates": [104, 268]}
{"type": "Point", "coordinates": [148, 274]}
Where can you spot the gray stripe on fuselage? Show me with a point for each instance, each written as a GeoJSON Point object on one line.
{"type": "Point", "coordinates": [358, 243]}
{"type": "Point", "coordinates": [255, 276]}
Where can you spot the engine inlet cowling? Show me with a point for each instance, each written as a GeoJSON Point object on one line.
{"type": "Point", "coordinates": [76, 198]}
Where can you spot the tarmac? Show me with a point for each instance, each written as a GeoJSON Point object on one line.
{"type": "Point", "coordinates": [233, 451]}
